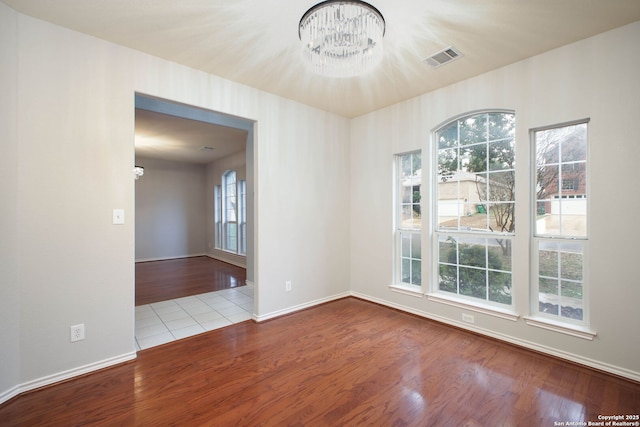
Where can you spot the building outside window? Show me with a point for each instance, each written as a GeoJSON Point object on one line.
{"type": "Point", "coordinates": [474, 204]}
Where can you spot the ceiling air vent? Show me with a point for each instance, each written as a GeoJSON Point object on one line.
{"type": "Point", "coordinates": [205, 148]}
{"type": "Point", "coordinates": [443, 57]}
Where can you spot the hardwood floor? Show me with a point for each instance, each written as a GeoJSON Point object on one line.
{"type": "Point", "coordinates": [345, 363]}
{"type": "Point", "coordinates": [176, 278]}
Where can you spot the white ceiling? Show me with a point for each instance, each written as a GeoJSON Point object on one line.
{"type": "Point", "coordinates": [162, 136]}
{"type": "Point", "coordinates": [255, 42]}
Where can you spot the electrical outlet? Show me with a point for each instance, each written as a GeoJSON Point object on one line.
{"type": "Point", "coordinates": [287, 286]}
{"type": "Point", "coordinates": [467, 318]}
{"type": "Point", "coordinates": [77, 333]}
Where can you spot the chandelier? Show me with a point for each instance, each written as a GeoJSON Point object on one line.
{"type": "Point", "coordinates": [342, 38]}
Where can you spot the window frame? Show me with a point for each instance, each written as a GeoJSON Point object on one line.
{"type": "Point", "coordinates": [414, 234]}
{"type": "Point", "coordinates": [234, 243]}
{"type": "Point", "coordinates": [557, 322]}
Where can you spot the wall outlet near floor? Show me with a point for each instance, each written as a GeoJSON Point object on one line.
{"type": "Point", "coordinates": [287, 286]}
{"type": "Point", "coordinates": [467, 318]}
{"type": "Point", "coordinates": [77, 332]}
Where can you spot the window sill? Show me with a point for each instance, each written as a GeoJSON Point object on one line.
{"type": "Point", "coordinates": [484, 309]}
{"type": "Point", "coordinates": [407, 290]}
{"type": "Point", "coordinates": [564, 328]}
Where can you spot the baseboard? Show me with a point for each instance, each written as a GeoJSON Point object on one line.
{"type": "Point", "coordinates": [65, 375]}
{"type": "Point", "coordinates": [237, 260]}
{"type": "Point", "coordinates": [170, 257]}
{"type": "Point", "coordinates": [574, 358]}
{"type": "Point", "coordinates": [299, 307]}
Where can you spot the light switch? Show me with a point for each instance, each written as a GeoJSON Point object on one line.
{"type": "Point", "coordinates": [118, 216]}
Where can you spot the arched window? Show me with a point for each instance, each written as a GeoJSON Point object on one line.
{"type": "Point", "coordinates": [474, 201]}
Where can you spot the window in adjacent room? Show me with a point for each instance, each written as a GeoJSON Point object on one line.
{"type": "Point", "coordinates": [242, 217]}
{"type": "Point", "coordinates": [408, 220]}
{"type": "Point", "coordinates": [560, 234]}
{"type": "Point", "coordinates": [474, 204]}
{"type": "Point", "coordinates": [231, 214]}
{"type": "Point", "coordinates": [217, 205]}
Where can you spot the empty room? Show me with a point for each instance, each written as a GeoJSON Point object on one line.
{"type": "Point", "coordinates": [439, 205]}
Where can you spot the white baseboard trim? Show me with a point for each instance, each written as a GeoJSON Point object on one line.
{"type": "Point", "coordinates": [237, 260]}
{"type": "Point", "coordinates": [249, 283]}
{"type": "Point", "coordinates": [585, 361]}
{"type": "Point", "coordinates": [65, 375]}
{"type": "Point", "coordinates": [299, 307]}
{"type": "Point", "coordinates": [170, 257]}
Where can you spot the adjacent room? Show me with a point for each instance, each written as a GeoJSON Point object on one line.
{"type": "Point", "coordinates": [191, 223]}
{"type": "Point", "coordinates": [433, 204]}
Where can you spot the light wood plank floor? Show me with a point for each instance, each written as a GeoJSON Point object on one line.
{"type": "Point", "coordinates": [345, 363]}
{"type": "Point", "coordinates": [182, 277]}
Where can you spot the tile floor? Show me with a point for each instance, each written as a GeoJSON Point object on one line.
{"type": "Point", "coordinates": [167, 321]}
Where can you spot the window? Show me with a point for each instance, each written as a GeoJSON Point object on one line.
{"type": "Point", "coordinates": [560, 222]}
{"type": "Point", "coordinates": [231, 214]}
{"type": "Point", "coordinates": [242, 241]}
{"type": "Point", "coordinates": [217, 206]}
{"type": "Point", "coordinates": [408, 219]}
{"type": "Point", "coordinates": [474, 199]}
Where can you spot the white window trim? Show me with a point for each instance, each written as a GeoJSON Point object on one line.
{"type": "Point", "coordinates": [579, 331]}
{"type": "Point", "coordinates": [478, 307]}
{"type": "Point", "coordinates": [405, 289]}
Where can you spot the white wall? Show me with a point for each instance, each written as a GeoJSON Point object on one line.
{"type": "Point", "coordinates": [9, 247]}
{"type": "Point", "coordinates": [72, 145]}
{"type": "Point", "coordinates": [596, 78]}
{"type": "Point", "coordinates": [236, 162]}
{"type": "Point", "coordinates": [170, 210]}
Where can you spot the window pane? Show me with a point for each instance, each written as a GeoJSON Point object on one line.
{"type": "Point", "coordinates": [447, 251]}
{"type": "Point", "coordinates": [447, 164]}
{"type": "Point", "coordinates": [500, 287]}
{"type": "Point", "coordinates": [548, 263]}
{"type": "Point", "coordinates": [561, 181]}
{"type": "Point", "coordinates": [499, 254]}
{"type": "Point", "coordinates": [416, 247]}
{"type": "Point", "coordinates": [573, 145]}
{"type": "Point", "coordinates": [406, 270]}
{"type": "Point", "coordinates": [571, 300]}
{"type": "Point", "coordinates": [448, 278]}
{"type": "Point", "coordinates": [502, 217]}
{"type": "Point", "coordinates": [473, 282]}
{"type": "Point", "coordinates": [571, 265]}
{"type": "Point", "coordinates": [473, 129]}
{"type": "Point", "coordinates": [548, 296]}
{"type": "Point", "coordinates": [501, 155]}
{"type": "Point", "coordinates": [448, 137]}
{"type": "Point", "coordinates": [416, 273]}
{"type": "Point", "coordinates": [406, 246]}
{"type": "Point", "coordinates": [560, 282]}
{"type": "Point", "coordinates": [547, 181]}
{"type": "Point", "coordinates": [473, 252]}
{"type": "Point", "coordinates": [501, 126]}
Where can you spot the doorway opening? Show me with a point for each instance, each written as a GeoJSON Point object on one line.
{"type": "Point", "coordinates": [186, 281]}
